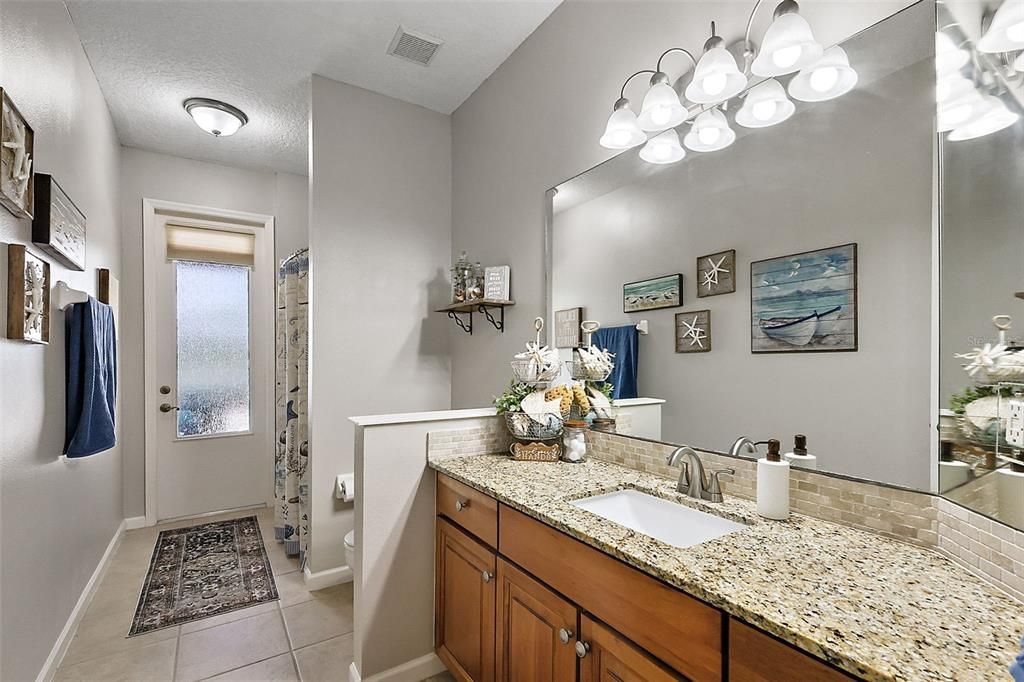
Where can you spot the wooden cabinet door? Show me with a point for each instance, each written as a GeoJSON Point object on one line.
{"type": "Point", "coordinates": [757, 657]}
{"type": "Point", "coordinates": [536, 630]}
{"type": "Point", "coordinates": [464, 617]}
{"type": "Point", "coordinates": [607, 657]}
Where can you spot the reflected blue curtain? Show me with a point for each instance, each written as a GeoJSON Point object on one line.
{"type": "Point", "coordinates": [623, 341]}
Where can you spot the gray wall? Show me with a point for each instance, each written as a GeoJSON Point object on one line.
{"type": "Point", "coordinates": [535, 122]}
{"type": "Point", "coordinates": [56, 517]}
{"type": "Point", "coordinates": [153, 175]}
{"type": "Point", "coordinates": [380, 222]}
{"type": "Point", "coordinates": [830, 175]}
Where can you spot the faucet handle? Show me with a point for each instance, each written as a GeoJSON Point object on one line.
{"type": "Point", "coordinates": [715, 486]}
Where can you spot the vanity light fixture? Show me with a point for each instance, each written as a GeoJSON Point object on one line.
{"type": "Point", "coordinates": [995, 118]}
{"type": "Point", "coordinates": [710, 132]}
{"type": "Point", "coordinates": [828, 78]}
{"type": "Point", "coordinates": [948, 57]}
{"type": "Point", "coordinates": [220, 119]}
{"type": "Point", "coordinates": [788, 44]}
{"type": "Point", "coordinates": [661, 108]}
{"type": "Point", "coordinates": [663, 148]}
{"type": "Point", "coordinates": [961, 105]}
{"type": "Point", "coordinates": [1006, 32]}
{"type": "Point", "coordinates": [716, 77]}
{"type": "Point", "coordinates": [766, 105]}
{"type": "Point", "coordinates": [622, 130]}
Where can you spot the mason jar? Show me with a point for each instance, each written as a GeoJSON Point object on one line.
{"type": "Point", "coordinates": [574, 441]}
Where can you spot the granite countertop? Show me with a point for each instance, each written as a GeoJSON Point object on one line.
{"type": "Point", "coordinates": [875, 607]}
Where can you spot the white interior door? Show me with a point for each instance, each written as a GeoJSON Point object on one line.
{"type": "Point", "coordinates": [208, 385]}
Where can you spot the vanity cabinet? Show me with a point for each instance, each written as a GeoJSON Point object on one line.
{"type": "Point", "coordinates": [519, 601]}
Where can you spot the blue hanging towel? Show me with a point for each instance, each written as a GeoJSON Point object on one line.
{"type": "Point", "coordinates": [1017, 668]}
{"type": "Point", "coordinates": [90, 356]}
{"type": "Point", "coordinates": [623, 342]}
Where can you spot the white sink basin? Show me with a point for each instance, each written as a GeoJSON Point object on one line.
{"type": "Point", "coordinates": [669, 522]}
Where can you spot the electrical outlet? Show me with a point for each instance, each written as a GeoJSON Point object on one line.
{"type": "Point", "coordinates": [1015, 424]}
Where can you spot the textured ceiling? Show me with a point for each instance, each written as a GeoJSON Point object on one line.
{"type": "Point", "coordinates": [149, 55]}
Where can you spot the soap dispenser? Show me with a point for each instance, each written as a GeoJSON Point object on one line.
{"type": "Point", "coordinates": [773, 484]}
{"type": "Point", "coordinates": [800, 458]}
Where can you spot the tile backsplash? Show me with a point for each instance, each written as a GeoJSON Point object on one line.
{"type": "Point", "coordinates": [992, 549]}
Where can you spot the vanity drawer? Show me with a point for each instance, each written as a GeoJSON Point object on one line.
{"type": "Point", "coordinates": [757, 657]}
{"type": "Point", "coordinates": [681, 631]}
{"type": "Point", "coordinates": [468, 508]}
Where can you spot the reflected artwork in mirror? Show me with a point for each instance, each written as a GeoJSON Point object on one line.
{"type": "Point", "coordinates": [979, 95]}
{"type": "Point", "coordinates": [853, 169]}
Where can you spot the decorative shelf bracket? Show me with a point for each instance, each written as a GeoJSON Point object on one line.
{"type": "Point", "coordinates": [465, 325]}
{"type": "Point", "coordinates": [498, 324]}
{"type": "Point", "coordinates": [462, 313]}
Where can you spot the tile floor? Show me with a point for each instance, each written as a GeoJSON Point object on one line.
{"type": "Point", "coordinates": [303, 636]}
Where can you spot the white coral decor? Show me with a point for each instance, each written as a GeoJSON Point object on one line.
{"type": "Point", "coordinates": [991, 359]}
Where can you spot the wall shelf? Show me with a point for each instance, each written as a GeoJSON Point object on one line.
{"type": "Point", "coordinates": [462, 313]}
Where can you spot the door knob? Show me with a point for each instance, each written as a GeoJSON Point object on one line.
{"type": "Point", "coordinates": [167, 407]}
{"type": "Point", "coordinates": [582, 649]}
{"type": "Point", "coordinates": [461, 504]}
{"type": "Point", "coordinates": [487, 576]}
{"type": "Point", "coordinates": [564, 635]}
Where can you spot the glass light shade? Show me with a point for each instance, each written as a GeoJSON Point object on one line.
{"type": "Point", "coordinates": [962, 105]}
{"type": "Point", "coordinates": [828, 78]}
{"type": "Point", "coordinates": [951, 86]}
{"type": "Point", "coordinates": [716, 78]}
{"type": "Point", "coordinates": [948, 57]}
{"type": "Point", "coordinates": [710, 132]}
{"type": "Point", "coordinates": [663, 148]}
{"type": "Point", "coordinates": [215, 117]}
{"type": "Point", "coordinates": [766, 105]}
{"type": "Point", "coordinates": [788, 46]}
{"type": "Point", "coordinates": [662, 109]}
{"type": "Point", "coordinates": [995, 118]}
{"type": "Point", "coordinates": [1006, 32]}
{"type": "Point", "coordinates": [622, 131]}
{"type": "Point", "coordinates": [1018, 63]}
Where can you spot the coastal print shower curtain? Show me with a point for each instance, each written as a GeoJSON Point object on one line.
{"type": "Point", "coordinates": [291, 459]}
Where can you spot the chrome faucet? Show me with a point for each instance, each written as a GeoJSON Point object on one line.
{"type": "Point", "coordinates": [744, 444]}
{"type": "Point", "coordinates": [693, 481]}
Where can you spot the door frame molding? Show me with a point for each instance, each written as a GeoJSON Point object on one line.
{"type": "Point", "coordinates": [154, 211]}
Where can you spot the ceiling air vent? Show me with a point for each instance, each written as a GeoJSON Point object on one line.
{"type": "Point", "coordinates": [415, 47]}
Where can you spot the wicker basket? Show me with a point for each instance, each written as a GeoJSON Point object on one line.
{"type": "Point", "coordinates": [581, 372]}
{"type": "Point", "coordinates": [524, 427]}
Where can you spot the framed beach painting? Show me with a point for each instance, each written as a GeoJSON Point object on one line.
{"type": "Point", "coordinates": [805, 303]}
{"type": "Point", "coordinates": [652, 294]}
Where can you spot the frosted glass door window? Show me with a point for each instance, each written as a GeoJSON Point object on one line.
{"type": "Point", "coordinates": [213, 348]}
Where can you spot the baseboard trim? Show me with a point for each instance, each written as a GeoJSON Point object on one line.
{"type": "Point", "coordinates": [60, 647]}
{"type": "Point", "coordinates": [322, 579]}
{"type": "Point", "coordinates": [412, 671]}
{"type": "Point", "coordinates": [135, 522]}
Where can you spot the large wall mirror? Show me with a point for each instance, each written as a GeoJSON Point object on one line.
{"type": "Point", "coordinates": [981, 361]}
{"type": "Point", "coordinates": [822, 325]}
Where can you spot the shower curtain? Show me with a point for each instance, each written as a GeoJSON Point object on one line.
{"type": "Point", "coordinates": [291, 458]}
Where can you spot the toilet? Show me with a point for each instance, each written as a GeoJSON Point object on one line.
{"type": "Point", "coordinates": [350, 549]}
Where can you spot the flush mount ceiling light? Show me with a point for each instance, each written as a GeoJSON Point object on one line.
{"type": "Point", "coordinates": [788, 44]}
{"type": "Point", "coordinates": [766, 105]}
{"type": "Point", "coordinates": [1006, 32]}
{"type": "Point", "coordinates": [215, 117]}
{"type": "Point", "coordinates": [661, 108]}
{"type": "Point", "coordinates": [710, 132]}
{"type": "Point", "coordinates": [828, 78]}
{"type": "Point", "coordinates": [663, 148]}
{"type": "Point", "coordinates": [948, 57]}
{"type": "Point", "coordinates": [716, 77]}
{"type": "Point", "coordinates": [994, 118]}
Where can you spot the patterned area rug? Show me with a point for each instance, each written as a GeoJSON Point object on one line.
{"type": "Point", "coordinates": [204, 571]}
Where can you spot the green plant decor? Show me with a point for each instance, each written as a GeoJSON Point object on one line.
{"type": "Point", "coordinates": [605, 388]}
{"type": "Point", "coordinates": [959, 401]}
{"type": "Point", "coordinates": [512, 399]}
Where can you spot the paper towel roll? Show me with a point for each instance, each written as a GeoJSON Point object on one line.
{"type": "Point", "coordinates": [1011, 496]}
{"type": "Point", "coordinates": [345, 487]}
{"type": "Point", "coordinates": [773, 489]}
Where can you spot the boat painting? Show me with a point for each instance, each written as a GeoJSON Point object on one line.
{"type": "Point", "coordinates": [651, 294]}
{"type": "Point", "coordinates": [806, 302]}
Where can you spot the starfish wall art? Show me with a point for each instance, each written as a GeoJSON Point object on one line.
{"type": "Point", "coordinates": [716, 273]}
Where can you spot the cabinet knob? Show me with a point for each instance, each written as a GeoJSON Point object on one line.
{"type": "Point", "coordinates": [487, 576]}
{"type": "Point", "coordinates": [582, 649]}
{"type": "Point", "coordinates": [461, 504]}
{"type": "Point", "coordinates": [565, 635]}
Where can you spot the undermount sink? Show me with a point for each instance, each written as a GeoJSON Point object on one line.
{"type": "Point", "coordinates": [669, 522]}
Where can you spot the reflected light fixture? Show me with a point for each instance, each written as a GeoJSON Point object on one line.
{"type": "Point", "coordinates": [663, 148]}
{"type": "Point", "coordinates": [948, 57]}
{"type": "Point", "coordinates": [1006, 32]}
{"type": "Point", "coordinates": [828, 78]}
{"type": "Point", "coordinates": [622, 130]}
{"type": "Point", "coordinates": [1018, 63]}
{"type": "Point", "coordinates": [716, 77]}
{"type": "Point", "coordinates": [788, 44]}
{"type": "Point", "coordinates": [996, 117]}
{"type": "Point", "coordinates": [961, 105]}
{"type": "Point", "coordinates": [220, 119]}
{"type": "Point", "coordinates": [766, 105]}
{"type": "Point", "coordinates": [661, 108]}
{"type": "Point", "coordinates": [710, 132]}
